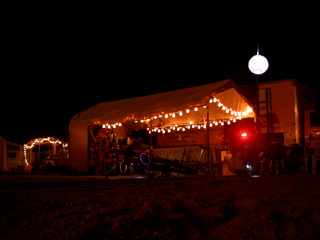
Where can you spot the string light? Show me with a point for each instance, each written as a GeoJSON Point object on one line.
{"type": "Point", "coordinates": [234, 115]}
{"type": "Point", "coordinates": [43, 140]}
{"type": "Point", "coordinates": [186, 127]}
{"type": "Point", "coordinates": [34, 142]}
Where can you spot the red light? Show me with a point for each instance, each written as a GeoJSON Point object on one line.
{"type": "Point", "coordinates": [244, 135]}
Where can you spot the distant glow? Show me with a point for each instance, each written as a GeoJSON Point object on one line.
{"type": "Point", "coordinates": [258, 64]}
{"type": "Point", "coordinates": [195, 109]}
{"type": "Point", "coordinates": [244, 134]}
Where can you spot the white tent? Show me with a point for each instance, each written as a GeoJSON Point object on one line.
{"type": "Point", "coordinates": [205, 105]}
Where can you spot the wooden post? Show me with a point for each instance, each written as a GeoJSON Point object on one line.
{"type": "Point", "coordinates": [39, 156]}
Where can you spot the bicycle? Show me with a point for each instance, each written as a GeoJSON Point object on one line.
{"type": "Point", "coordinates": [199, 167]}
{"type": "Point", "coordinates": [149, 165]}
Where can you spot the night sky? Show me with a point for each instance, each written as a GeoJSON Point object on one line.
{"type": "Point", "coordinates": [58, 62]}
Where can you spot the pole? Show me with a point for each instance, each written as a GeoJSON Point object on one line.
{"type": "Point", "coordinates": [104, 156]}
{"type": "Point", "coordinates": [30, 152]}
{"type": "Point", "coordinates": [39, 155]}
{"type": "Point", "coordinates": [257, 98]}
{"type": "Point", "coordinates": [150, 139]}
{"type": "Point", "coordinates": [208, 130]}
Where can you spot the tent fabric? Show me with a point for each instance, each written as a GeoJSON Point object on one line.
{"type": "Point", "coordinates": [167, 102]}
{"type": "Point", "coordinates": [129, 112]}
{"type": "Point", "coordinates": [79, 148]}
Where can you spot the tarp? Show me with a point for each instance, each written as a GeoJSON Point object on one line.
{"type": "Point", "coordinates": [158, 110]}
{"type": "Point", "coordinates": [168, 102]}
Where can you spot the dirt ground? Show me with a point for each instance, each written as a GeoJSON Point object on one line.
{"type": "Point", "coordinates": [80, 207]}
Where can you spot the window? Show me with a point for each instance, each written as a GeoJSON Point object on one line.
{"type": "Point", "coordinates": [11, 154]}
{"type": "Point", "coordinates": [315, 119]}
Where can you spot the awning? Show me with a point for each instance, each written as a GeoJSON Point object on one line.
{"type": "Point", "coordinates": [180, 107]}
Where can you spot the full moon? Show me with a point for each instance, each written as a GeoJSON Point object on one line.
{"type": "Point", "coordinates": [258, 64]}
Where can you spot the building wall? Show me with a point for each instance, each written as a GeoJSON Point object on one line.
{"type": "Point", "coordinates": [288, 107]}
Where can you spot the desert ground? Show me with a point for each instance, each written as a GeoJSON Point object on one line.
{"type": "Point", "coordinates": [206, 207]}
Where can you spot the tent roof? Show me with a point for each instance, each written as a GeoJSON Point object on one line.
{"type": "Point", "coordinates": [168, 102]}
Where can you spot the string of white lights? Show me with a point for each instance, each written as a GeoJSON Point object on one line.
{"type": "Point", "coordinates": [234, 116]}
{"type": "Point", "coordinates": [36, 141]}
